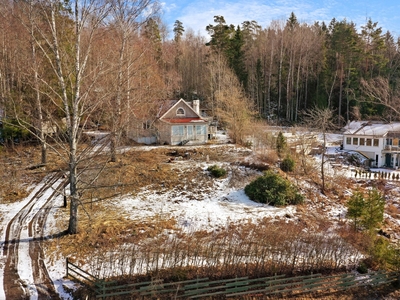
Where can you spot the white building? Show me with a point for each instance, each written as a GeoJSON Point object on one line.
{"type": "Point", "coordinates": [378, 141]}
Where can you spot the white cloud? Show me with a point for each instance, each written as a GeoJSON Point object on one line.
{"type": "Point", "coordinates": [198, 14]}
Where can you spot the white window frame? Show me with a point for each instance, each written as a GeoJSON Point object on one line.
{"type": "Point", "coordinates": [178, 130]}
{"type": "Point", "coordinates": [180, 111]}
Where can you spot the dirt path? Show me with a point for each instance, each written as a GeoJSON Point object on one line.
{"type": "Point", "coordinates": [25, 274]}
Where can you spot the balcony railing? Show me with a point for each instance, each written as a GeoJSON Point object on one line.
{"type": "Point", "coordinates": [392, 148]}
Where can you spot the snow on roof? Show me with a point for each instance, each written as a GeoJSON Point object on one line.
{"type": "Point", "coordinates": [185, 120]}
{"type": "Point", "coordinates": [370, 128]}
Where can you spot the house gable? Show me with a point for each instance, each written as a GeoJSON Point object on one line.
{"type": "Point", "coordinates": [181, 112]}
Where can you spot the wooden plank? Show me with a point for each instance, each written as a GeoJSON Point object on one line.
{"type": "Point", "coordinates": [236, 289]}
{"type": "Point", "coordinates": [123, 286]}
{"type": "Point", "coordinates": [201, 291]}
{"type": "Point", "coordinates": [85, 275]}
{"type": "Point", "coordinates": [236, 283]}
{"type": "Point", "coordinates": [196, 285]}
{"type": "Point", "coordinates": [207, 295]}
{"type": "Point", "coordinates": [205, 285]}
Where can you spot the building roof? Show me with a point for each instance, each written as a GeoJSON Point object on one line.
{"type": "Point", "coordinates": [370, 128]}
{"type": "Point", "coordinates": [165, 114]}
{"type": "Point", "coordinates": [185, 120]}
{"type": "Point", "coordinates": [165, 106]}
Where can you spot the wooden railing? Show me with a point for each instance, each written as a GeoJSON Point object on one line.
{"type": "Point", "coordinates": [80, 275]}
{"type": "Point", "coordinates": [230, 288]}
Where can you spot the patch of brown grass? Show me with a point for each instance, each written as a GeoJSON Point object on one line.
{"type": "Point", "coordinates": [15, 179]}
{"type": "Point", "coordinates": [393, 210]}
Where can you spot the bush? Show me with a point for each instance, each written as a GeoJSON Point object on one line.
{"type": "Point", "coordinates": [273, 189]}
{"type": "Point", "coordinates": [12, 132]}
{"type": "Point", "coordinates": [216, 171]}
{"type": "Point", "coordinates": [362, 268]}
{"type": "Point", "coordinates": [287, 165]}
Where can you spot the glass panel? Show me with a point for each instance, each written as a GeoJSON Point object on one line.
{"type": "Point", "coordinates": [177, 130]}
{"type": "Point", "coordinates": [200, 129]}
{"type": "Point", "coordinates": [190, 131]}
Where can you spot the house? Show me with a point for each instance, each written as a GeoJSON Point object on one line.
{"type": "Point", "coordinates": [176, 122]}
{"type": "Point", "coordinates": [182, 123]}
{"type": "Point", "coordinates": [378, 141]}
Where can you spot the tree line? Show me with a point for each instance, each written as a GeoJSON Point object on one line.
{"type": "Point", "coordinates": [291, 66]}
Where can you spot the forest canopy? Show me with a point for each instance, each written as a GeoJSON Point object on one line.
{"type": "Point", "coordinates": [282, 69]}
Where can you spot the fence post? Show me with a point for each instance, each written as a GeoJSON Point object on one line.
{"type": "Point", "coordinates": [67, 266]}
{"type": "Point", "coordinates": [103, 289]}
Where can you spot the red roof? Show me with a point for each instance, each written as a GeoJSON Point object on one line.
{"type": "Point", "coordinates": [185, 120]}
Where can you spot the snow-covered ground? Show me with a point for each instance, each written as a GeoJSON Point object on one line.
{"type": "Point", "coordinates": [207, 210]}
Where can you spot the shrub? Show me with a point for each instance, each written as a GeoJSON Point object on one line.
{"type": "Point", "coordinates": [287, 165]}
{"type": "Point", "coordinates": [216, 171]}
{"type": "Point", "coordinates": [273, 189]}
{"type": "Point", "coordinates": [12, 132]}
{"type": "Point", "coordinates": [362, 268]}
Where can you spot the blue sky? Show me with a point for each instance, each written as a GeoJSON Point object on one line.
{"type": "Point", "coordinates": [198, 14]}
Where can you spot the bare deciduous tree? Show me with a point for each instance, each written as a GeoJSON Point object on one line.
{"type": "Point", "coordinates": [378, 91]}
{"type": "Point", "coordinates": [233, 107]}
{"type": "Point", "coordinates": [64, 34]}
{"type": "Point", "coordinates": [127, 16]}
{"type": "Point", "coordinates": [321, 120]}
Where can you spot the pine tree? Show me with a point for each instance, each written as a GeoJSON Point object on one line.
{"type": "Point", "coordinates": [374, 206]}
{"type": "Point", "coordinates": [366, 212]}
{"type": "Point", "coordinates": [178, 31]}
{"type": "Point", "coordinates": [281, 144]}
{"type": "Point", "coordinates": [355, 208]}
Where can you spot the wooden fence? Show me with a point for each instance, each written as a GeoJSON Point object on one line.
{"type": "Point", "coordinates": [229, 288]}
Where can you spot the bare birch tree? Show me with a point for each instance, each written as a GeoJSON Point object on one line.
{"type": "Point", "coordinates": [64, 34]}
{"type": "Point", "coordinates": [320, 120]}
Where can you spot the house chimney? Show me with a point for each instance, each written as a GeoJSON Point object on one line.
{"type": "Point", "coordinates": [196, 106]}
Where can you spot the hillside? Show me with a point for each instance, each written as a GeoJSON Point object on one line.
{"type": "Point", "coordinates": [156, 193]}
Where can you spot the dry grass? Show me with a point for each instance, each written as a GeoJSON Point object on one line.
{"type": "Point", "coordinates": [15, 179]}
{"type": "Point", "coordinates": [104, 230]}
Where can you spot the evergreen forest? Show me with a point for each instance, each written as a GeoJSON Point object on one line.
{"type": "Point", "coordinates": [105, 61]}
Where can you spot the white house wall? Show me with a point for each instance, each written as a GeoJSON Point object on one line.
{"type": "Point", "coordinates": [190, 133]}
{"type": "Point", "coordinates": [372, 152]}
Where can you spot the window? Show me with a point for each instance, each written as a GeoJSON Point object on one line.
{"type": "Point", "coordinates": [362, 141]}
{"type": "Point", "coordinates": [147, 125]}
{"type": "Point", "coordinates": [376, 143]}
{"type": "Point", "coordinates": [369, 142]}
{"type": "Point", "coordinates": [180, 111]}
{"type": "Point", "coordinates": [177, 130]}
{"type": "Point", "coordinates": [348, 140]}
{"type": "Point", "coordinates": [200, 129]}
{"type": "Point", "coordinates": [389, 142]}
{"type": "Point", "coordinates": [355, 141]}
